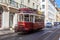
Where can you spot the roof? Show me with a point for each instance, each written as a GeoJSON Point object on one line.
{"type": "Point", "coordinates": [27, 9]}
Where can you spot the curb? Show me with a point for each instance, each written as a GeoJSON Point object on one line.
{"type": "Point", "coordinates": [7, 34]}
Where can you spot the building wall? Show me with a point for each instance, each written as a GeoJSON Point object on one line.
{"type": "Point", "coordinates": [58, 16]}
{"type": "Point", "coordinates": [52, 12]}
{"type": "Point", "coordinates": [29, 3]}
{"type": "Point", "coordinates": [49, 11]}
{"type": "Point", "coordinates": [5, 19]}
{"type": "Point", "coordinates": [7, 8]}
{"type": "Point", "coordinates": [44, 9]}
{"type": "Point", "coordinates": [12, 7]}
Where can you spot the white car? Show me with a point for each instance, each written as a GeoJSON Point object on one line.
{"type": "Point", "coordinates": [49, 25]}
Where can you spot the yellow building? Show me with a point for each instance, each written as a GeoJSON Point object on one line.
{"type": "Point", "coordinates": [58, 17]}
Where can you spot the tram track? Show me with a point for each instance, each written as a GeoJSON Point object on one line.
{"type": "Point", "coordinates": [52, 35]}
{"type": "Point", "coordinates": [40, 35]}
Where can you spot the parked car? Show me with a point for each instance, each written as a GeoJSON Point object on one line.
{"type": "Point", "coordinates": [49, 25]}
{"type": "Point", "coordinates": [56, 23]}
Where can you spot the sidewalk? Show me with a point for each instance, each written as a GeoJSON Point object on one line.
{"type": "Point", "coordinates": [5, 32]}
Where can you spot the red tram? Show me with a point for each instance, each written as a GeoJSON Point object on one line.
{"type": "Point", "coordinates": [29, 20]}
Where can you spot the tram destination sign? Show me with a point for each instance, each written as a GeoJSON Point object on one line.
{"type": "Point", "coordinates": [26, 10]}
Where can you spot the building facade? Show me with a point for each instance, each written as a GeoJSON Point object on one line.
{"type": "Point", "coordinates": [49, 10]}
{"type": "Point", "coordinates": [9, 9]}
{"type": "Point", "coordinates": [58, 15]}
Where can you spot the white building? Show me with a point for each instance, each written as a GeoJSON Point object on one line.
{"type": "Point", "coordinates": [8, 9]}
{"type": "Point", "coordinates": [34, 4]}
{"type": "Point", "coordinates": [49, 10]}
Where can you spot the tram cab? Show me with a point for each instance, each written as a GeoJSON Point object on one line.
{"type": "Point", "coordinates": [28, 20]}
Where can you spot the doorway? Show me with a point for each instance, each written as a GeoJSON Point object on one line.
{"type": "Point", "coordinates": [1, 11]}
{"type": "Point", "coordinates": [11, 16]}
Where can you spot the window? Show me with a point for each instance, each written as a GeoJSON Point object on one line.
{"type": "Point", "coordinates": [28, 1]}
{"type": "Point", "coordinates": [50, 8]}
{"type": "Point", "coordinates": [22, 6]}
{"type": "Point", "coordinates": [26, 18]}
{"type": "Point", "coordinates": [50, 15]}
{"type": "Point", "coordinates": [31, 18]}
{"type": "Point", "coordinates": [1, 9]}
{"type": "Point", "coordinates": [20, 17]}
{"type": "Point", "coordinates": [10, 0]}
{"type": "Point", "coordinates": [33, 4]}
{"type": "Point", "coordinates": [37, 7]}
{"type": "Point", "coordinates": [11, 16]}
{"type": "Point", "coordinates": [22, 1]}
{"type": "Point", "coordinates": [43, 6]}
{"type": "Point", "coordinates": [36, 18]}
{"type": "Point", "coordinates": [43, 0]}
{"type": "Point", "coordinates": [40, 8]}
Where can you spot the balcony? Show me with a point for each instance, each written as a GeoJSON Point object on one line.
{"type": "Point", "coordinates": [13, 4]}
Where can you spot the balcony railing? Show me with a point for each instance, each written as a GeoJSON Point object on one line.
{"type": "Point", "coordinates": [9, 2]}
{"type": "Point", "coordinates": [24, 6]}
{"type": "Point", "coordinates": [4, 1]}
{"type": "Point", "coordinates": [13, 4]}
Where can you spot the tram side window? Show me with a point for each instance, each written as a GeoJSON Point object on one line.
{"type": "Point", "coordinates": [36, 19]}
{"type": "Point", "coordinates": [31, 18]}
{"type": "Point", "coordinates": [26, 18]}
{"type": "Point", "coordinates": [20, 17]}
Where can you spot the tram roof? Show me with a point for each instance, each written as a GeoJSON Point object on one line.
{"type": "Point", "coordinates": [27, 9]}
{"type": "Point", "coordinates": [30, 14]}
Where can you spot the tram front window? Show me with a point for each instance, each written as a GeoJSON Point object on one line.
{"type": "Point", "coordinates": [26, 18]}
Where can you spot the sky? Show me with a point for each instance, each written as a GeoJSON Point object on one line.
{"type": "Point", "coordinates": [58, 3]}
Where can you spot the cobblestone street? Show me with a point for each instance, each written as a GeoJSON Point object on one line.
{"type": "Point", "coordinates": [38, 35]}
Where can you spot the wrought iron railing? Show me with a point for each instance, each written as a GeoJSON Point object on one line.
{"type": "Point", "coordinates": [4, 1]}
{"type": "Point", "coordinates": [24, 6]}
{"type": "Point", "coordinates": [13, 4]}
